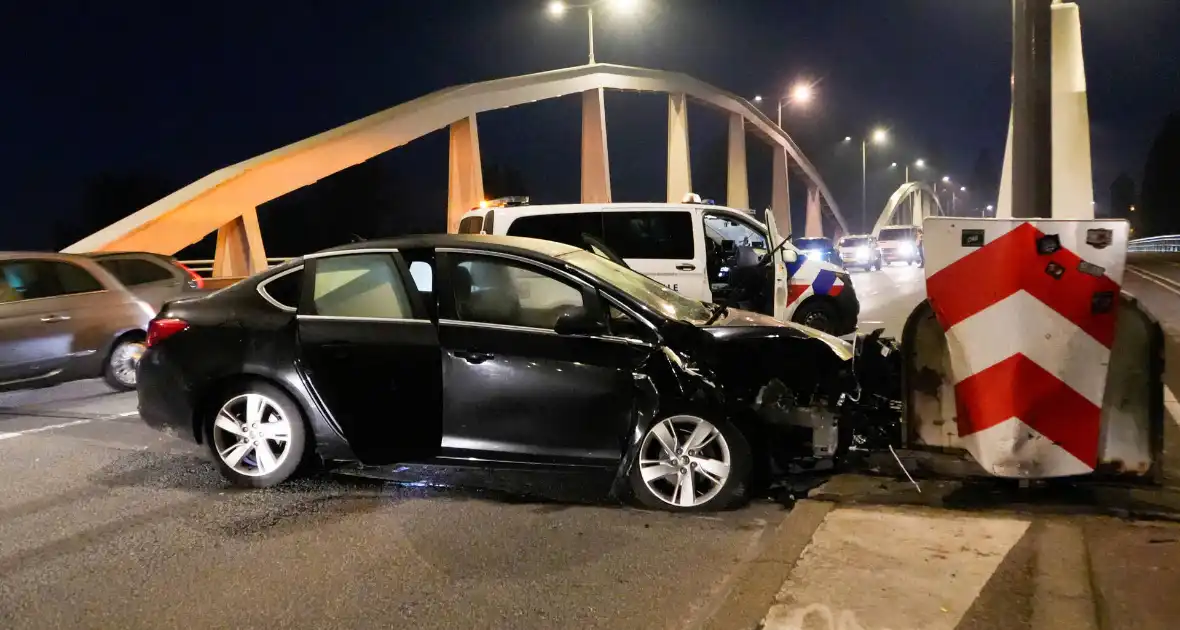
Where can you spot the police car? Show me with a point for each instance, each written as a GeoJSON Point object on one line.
{"type": "Point", "coordinates": [710, 253]}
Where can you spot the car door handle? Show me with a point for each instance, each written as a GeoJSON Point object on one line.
{"type": "Point", "coordinates": [50, 319]}
{"type": "Point", "coordinates": [686, 267]}
{"type": "Point", "coordinates": [473, 357]}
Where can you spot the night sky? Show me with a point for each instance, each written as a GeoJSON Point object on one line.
{"type": "Point", "coordinates": [180, 89]}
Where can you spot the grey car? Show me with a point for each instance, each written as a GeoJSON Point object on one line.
{"type": "Point", "coordinates": [154, 278]}
{"type": "Point", "coordinates": [64, 318]}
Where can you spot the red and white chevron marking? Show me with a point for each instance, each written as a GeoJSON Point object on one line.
{"type": "Point", "coordinates": [1028, 355]}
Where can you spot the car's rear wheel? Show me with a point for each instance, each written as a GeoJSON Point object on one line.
{"type": "Point", "coordinates": [686, 463]}
{"type": "Point", "coordinates": [122, 364]}
{"type": "Point", "coordinates": [257, 436]}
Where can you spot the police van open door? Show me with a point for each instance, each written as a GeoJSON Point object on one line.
{"type": "Point", "coordinates": [782, 251]}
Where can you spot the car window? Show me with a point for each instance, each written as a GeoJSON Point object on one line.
{"type": "Point", "coordinates": [285, 289]}
{"type": "Point", "coordinates": [360, 285]}
{"type": "Point", "coordinates": [471, 225]}
{"type": "Point", "coordinates": [741, 233]}
{"type": "Point", "coordinates": [652, 294]}
{"type": "Point", "coordinates": [493, 290]}
{"type": "Point", "coordinates": [895, 234]}
{"type": "Point", "coordinates": [135, 271]}
{"type": "Point", "coordinates": [659, 235]}
{"type": "Point", "coordinates": [569, 228]}
{"type": "Point", "coordinates": [33, 279]}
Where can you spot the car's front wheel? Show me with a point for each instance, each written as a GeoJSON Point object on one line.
{"type": "Point", "coordinates": [257, 436]}
{"type": "Point", "coordinates": [687, 463]}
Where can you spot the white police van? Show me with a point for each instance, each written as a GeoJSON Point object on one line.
{"type": "Point", "coordinates": [701, 251]}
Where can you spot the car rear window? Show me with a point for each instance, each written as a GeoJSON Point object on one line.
{"type": "Point", "coordinates": [284, 289]}
{"type": "Point", "coordinates": [135, 271]}
{"type": "Point", "coordinates": [471, 225]}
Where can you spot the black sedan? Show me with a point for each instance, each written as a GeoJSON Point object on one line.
{"type": "Point", "coordinates": [481, 350]}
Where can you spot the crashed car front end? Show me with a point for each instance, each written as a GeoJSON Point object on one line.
{"type": "Point", "coordinates": [803, 399]}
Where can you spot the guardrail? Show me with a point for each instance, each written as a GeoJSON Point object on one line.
{"type": "Point", "coordinates": [1166, 243]}
{"type": "Point", "coordinates": [204, 268]}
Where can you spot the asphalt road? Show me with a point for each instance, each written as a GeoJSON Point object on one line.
{"type": "Point", "coordinates": [105, 523]}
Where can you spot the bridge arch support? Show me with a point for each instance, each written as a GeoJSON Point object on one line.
{"type": "Point", "coordinates": [910, 204]}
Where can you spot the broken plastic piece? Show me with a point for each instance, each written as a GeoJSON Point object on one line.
{"type": "Point", "coordinates": [1102, 302]}
{"type": "Point", "coordinates": [1091, 269]}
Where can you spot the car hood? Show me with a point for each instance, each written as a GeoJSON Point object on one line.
{"type": "Point", "coordinates": [757, 324]}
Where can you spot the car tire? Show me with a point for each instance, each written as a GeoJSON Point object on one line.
{"type": "Point", "coordinates": [122, 363]}
{"type": "Point", "coordinates": [818, 314]}
{"type": "Point", "coordinates": [658, 475]}
{"type": "Point", "coordinates": [249, 418]}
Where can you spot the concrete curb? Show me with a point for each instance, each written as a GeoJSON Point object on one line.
{"type": "Point", "coordinates": [753, 592]}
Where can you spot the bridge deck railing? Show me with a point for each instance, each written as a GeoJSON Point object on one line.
{"type": "Point", "coordinates": [1165, 243]}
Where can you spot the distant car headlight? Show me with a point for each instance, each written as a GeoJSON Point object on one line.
{"type": "Point", "coordinates": [907, 249]}
{"type": "Point", "coordinates": [862, 253]}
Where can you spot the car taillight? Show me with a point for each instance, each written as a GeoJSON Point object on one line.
{"type": "Point", "coordinates": [197, 282]}
{"type": "Point", "coordinates": [161, 329]}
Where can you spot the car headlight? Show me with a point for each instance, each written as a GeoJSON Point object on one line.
{"type": "Point", "coordinates": [907, 248]}
{"type": "Point", "coordinates": [814, 253]}
{"type": "Point", "coordinates": [862, 253]}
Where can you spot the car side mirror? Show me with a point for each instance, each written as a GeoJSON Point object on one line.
{"type": "Point", "coordinates": [580, 323]}
{"type": "Point", "coordinates": [790, 256]}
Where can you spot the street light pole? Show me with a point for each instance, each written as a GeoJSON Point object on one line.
{"type": "Point", "coordinates": [864, 183]}
{"type": "Point", "coordinates": [590, 29]}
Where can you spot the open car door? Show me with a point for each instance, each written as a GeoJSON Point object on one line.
{"type": "Point", "coordinates": [780, 268]}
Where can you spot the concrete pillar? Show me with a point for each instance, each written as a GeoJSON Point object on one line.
{"type": "Point", "coordinates": [780, 194]}
{"type": "Point", "coordinates": [679, 164]}
{"type": "Point", "coordinates": [465, 184]}
{"type": "Point", "coordinates": [815, 219]}
{"type": "Point", "coordinates": [1073, 183]}
{"type": "Point", "coordinates": [239, 249]}
{"type": "Point", "coordinates": [595, 157]}
{"type": "Point", "coordinates": [737, 190]}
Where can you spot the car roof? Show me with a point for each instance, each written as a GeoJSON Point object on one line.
{"type": "Point", "coordinates": [504, 244]}
{"type": "Point", "coordinates": [112, 254]}
{"type": "Point", "coordinates": [560, 208]}
{"type": "Point", "coordinates": [40, 256]}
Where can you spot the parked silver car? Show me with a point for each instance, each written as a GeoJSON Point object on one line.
{"type": "Point", "coordinates": [65, 318]}
{"type": "Point", "coordinates": [154, 278]}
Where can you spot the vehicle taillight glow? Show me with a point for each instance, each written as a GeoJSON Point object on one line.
{"type": "Point", "coordinates": [161, 329]}
{"type": "Point", "coordinates": [197, 281]}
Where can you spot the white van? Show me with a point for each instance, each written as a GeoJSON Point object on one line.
{"type": "Point", "coordinates": [696, 250]}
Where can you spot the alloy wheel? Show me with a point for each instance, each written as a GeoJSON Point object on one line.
{"type": "Point", "coordinates": [684, 461]}
{"type": "Point", "coordinates": [125, 362]}
{"type": "Point", "coordinates": [251, 435]}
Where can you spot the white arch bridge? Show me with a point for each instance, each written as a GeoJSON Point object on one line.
{"type": "Point", "coordinates": [911, 204]}
{"type": "Point", "coordinates": [226, 201]}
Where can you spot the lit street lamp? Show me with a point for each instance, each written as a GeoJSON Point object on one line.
{"type": "Point", "coordinates": [801, 94]}
{"type": "Point", "coordinates": [557, 9]}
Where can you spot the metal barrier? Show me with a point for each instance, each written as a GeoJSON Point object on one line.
{"type": "Point", "coordinates": [1166, 243]}
{"type": "Point", "coordinates": [204, 267]}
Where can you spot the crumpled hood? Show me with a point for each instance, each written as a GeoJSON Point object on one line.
{"type": "Point", "coordinates": [737, 318]}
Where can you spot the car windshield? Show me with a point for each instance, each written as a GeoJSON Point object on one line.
{"type": "Point", "coordinates": [854, 242]}
{"type": "Point", "coordinates": [896, 234]}
{"type": "Point", "coordinates": [654, 295]}
{"type": "Point", "coordinates": [813, 243]}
